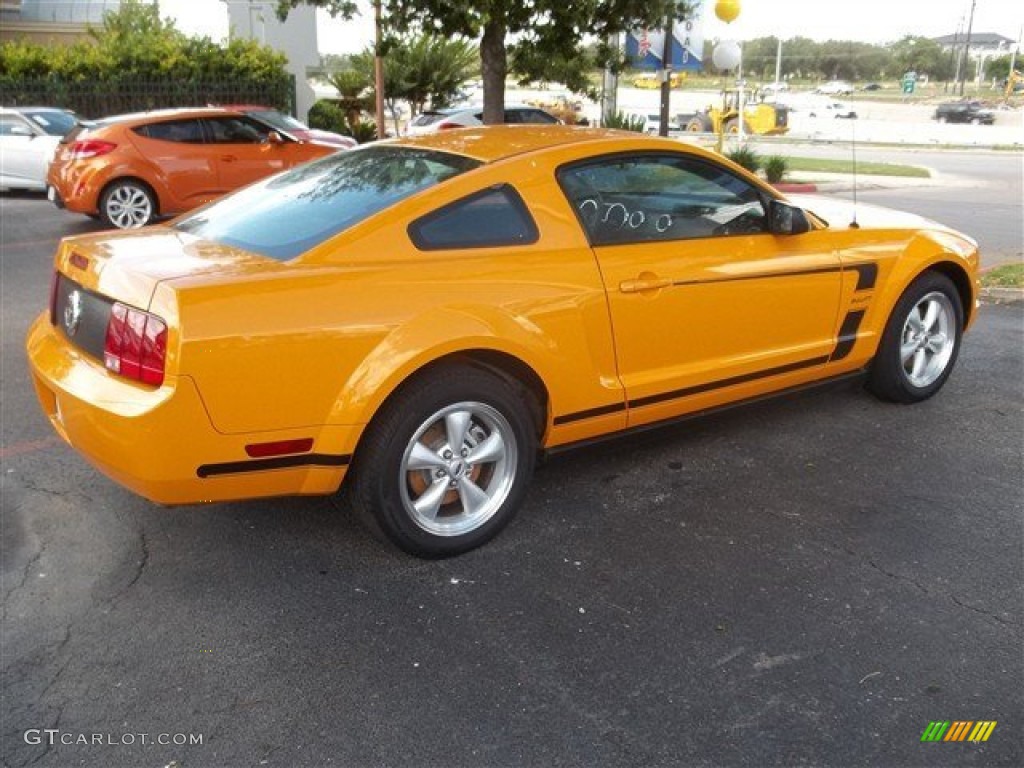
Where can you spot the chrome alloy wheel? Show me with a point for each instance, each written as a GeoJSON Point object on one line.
{"type": "Point", "coordinates": [458, 469]}
{"type": "Point", "coordinates": [128, 207]}
{"type": "Point", "coordinates": [928, 339]}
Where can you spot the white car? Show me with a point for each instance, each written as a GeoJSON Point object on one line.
{"type": "Point", "coordinates": [433, 120]}
{"type": "Point", "coordinates": [28, 138]}
{"type": "Point", "coordinates": [835, 88]}
{"type": "Point", "coordinates": [832, 109]}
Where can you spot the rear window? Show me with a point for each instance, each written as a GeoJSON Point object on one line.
{"type": "Point", "coordinates": [429, 118]}
{"type": "Point", "coordinates": [286, 215]}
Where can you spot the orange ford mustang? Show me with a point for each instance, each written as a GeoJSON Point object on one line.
{"type": "Point", "coordinates": [418, 318]}
{"type": "Point", "coordinates": [129, 169]}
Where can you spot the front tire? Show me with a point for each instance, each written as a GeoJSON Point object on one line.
{"type": "Point", "coordinates": [445, 464]}
{"type": "Point", "coordinates": [921, 341]}
{"type": "Point", "coordinates": [127, 204]}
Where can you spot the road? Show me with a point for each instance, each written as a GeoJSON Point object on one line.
{"type": "Point", "coordinates": [809, 581]}
{"type": "Point", "coordinates": [979, 192]}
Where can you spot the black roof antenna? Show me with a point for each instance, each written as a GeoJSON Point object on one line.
{"type": "Point", "coordinates": [853, 151]}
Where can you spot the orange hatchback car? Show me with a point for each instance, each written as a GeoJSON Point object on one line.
{"type": "Point", "coordinates": [129, 169]}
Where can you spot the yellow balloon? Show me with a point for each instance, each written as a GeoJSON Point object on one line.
{"type": "Point", "coordinates": [727, 10]}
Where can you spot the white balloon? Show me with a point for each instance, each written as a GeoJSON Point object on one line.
{"type": "Point", "coordinates": [726, 55]}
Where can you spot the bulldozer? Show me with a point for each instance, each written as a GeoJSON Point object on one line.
{"type": "Point", "coordinates": [758, 117]}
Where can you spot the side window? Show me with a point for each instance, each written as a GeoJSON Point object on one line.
{"type": "Point", "coordinates": [645, 198]}
{"type": "Point", "coordinates": [493, 217]}
{"type": "Point", "coordinates": [181, 131]}
{"type": "Point", "coordinates": [539, 117]}
{"type": "Point", "coordinates": [237, 130]}
{"type": "Point", "coordinates": [513, 117]}
{"type": "Point", "coordinates": [14, 126]}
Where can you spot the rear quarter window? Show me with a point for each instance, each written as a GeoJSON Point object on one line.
{"type": "Point", "coordinates": [490, 218]}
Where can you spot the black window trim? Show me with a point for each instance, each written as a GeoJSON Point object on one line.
{"type": "Point", "coordinates": [513, 196]}
{"type": "Point", "coordinates": [766, 198]}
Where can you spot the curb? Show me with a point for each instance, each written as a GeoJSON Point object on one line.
{"type": "Point", "coordinates": [1002, 295]}
{"type": "Point", "coordinates": [797, 189]}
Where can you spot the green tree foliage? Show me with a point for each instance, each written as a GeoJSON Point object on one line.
{"type": "Point", "coordinates": [549, 34]}
{"type": "Point", "coordinates": [422, 69]}
{"type": "Point", "coordinates": [921, 55]}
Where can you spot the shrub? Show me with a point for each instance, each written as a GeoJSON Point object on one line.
{"type": "Point", "coordinates": [624, 122]}
{"type": "Point", "coordinates": [327, 116]}
{"type": "Point", "coordinates": [775, 168]}
{"type": "Point", "coordinates": [745, 157]}
{"type": "Point", "coordinates": [362, 131]}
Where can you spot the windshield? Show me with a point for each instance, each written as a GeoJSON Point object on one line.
{"type": "Point", "coordinates": [286, 215]}
{"type": "Point", "coordinates": [278, 120]}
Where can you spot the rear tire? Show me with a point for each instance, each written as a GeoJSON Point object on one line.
{"type": "Point", "coordinates": [921, 341]}
{"type": "Point", "coordinates": [445, 464]}
{"type": "Point", "coordinates": [127, 204]}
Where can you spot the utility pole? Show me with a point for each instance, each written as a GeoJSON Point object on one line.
{"type": "Point", "coordinates": [778, 63]}
{"type": "Point", "coordinates": [967, 48]}
{"type": "Point", "coordinates": [666, 75]}
{"type": "Point", "coordinates": [378, 72]}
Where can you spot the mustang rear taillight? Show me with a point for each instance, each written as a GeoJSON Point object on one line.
{"type": "Point", "coordinates": [136, 345]}
{"type": "Point", "coordinates": [86, 148]}
{"type": "Point", "coordinates": [446, 125]}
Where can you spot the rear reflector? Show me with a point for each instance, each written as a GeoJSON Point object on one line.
{"type": "Point", "coordinates": [136, 345]}
{"type": "Point", "coordinates": [279, 448]}
{"type": "Point", "coordinates": [83, 150]}
{"type": "Point", "coordinates": [53, 297]}
{"type": "Point", "coordinates": [78, 260]}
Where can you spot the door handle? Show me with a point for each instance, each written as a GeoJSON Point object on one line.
{"type": "Point", "coordinates": [228, 158]}
{"type": "Point", "coordinates": [644, 283]}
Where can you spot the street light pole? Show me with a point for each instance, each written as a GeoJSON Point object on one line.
{"type": "Point", "coordinates": [967, 48]}
{"type": "Point", "coordinates": [666, 73]}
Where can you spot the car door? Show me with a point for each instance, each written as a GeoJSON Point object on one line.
{"type": "Point", "coordinates": [183, 171]}
{"type": "Point", "coordinates": [244, 153]}
{"type": "Point", "coordinates": [25, 151]}
{"type": "Point", "coordinates": [706, 304]}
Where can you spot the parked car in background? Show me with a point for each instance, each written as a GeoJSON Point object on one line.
{"type": "Point", "coordinates": [291, 126]}
{"type": "Point", "coordinates": [835, 88]}
{"type": "Point", "coordinates": [420, 318]}
{"type": "Point", "coordinates": [964, 112]}
{"type": "Point", "coordinates": [129, 169]}
{"type": "Point", "coordinates": [28, 138]}
{"type": "Point", "coordinates": [433, 120]}
{"type": "Point", "coordinates": [873, 87]}
{"type": "Point", "coordinates": [832, 109]}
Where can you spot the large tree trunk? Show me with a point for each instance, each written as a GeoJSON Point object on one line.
{"type": "Point", "coordinates": [494, 66]}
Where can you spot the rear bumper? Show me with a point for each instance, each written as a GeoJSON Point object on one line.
{"type": "Point", "coordinates": [160, 443]}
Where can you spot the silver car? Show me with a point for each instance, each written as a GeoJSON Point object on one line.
{"type": "Point", "coordinates": [433, 120]}
{"type": "Point", "coordinates": [28, 138]}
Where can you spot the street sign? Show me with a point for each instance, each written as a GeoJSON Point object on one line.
{"type": "Point", "coordinates": [909, 81]}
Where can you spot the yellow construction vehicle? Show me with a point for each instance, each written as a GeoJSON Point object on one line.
{"type": "Point", "coordinates": [1013, 83]}
{"type": "Point", "coordinates": [758, 117]}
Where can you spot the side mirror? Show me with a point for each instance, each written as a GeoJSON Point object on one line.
{"type": "Point", "coordinates": [787, 219]}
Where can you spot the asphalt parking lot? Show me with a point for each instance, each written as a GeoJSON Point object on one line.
{"type": "Point", "coordinates": [808, 581]}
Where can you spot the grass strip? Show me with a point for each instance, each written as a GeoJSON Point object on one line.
{"type": "Point", "coordinates": [825, 165]}
{"type": "Point", "coordinates": [1006, 276]}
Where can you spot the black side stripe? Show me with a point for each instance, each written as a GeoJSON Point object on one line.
{"type": "Point", "coordinates": [278, 462]}
{"type": "Point", "coordinates": [722, 383]}
{"type": "Point", "coordinates": [867, 274]}
{"type": "Point", "coordinates": [590, 413]}
{"type": "Point", "coordinates": [847, 335]}
{"type": "Point", "coordinates": [844, 345]}
{"type": "Point", "coordinates": [760, 276]}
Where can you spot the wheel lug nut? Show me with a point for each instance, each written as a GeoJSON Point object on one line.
{"type": "Point", "coordinates": [447, 454]}
{"type": "Point", "coordinates": [465, 452]}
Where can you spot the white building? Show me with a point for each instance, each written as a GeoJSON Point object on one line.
{"type": "Point", "coordinates": [295, 38]}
